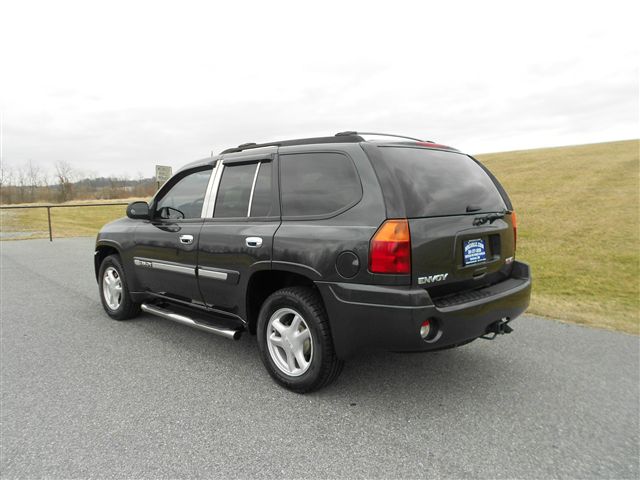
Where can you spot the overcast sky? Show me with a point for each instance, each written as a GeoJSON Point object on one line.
{"type": "Point", "coordinates": [117, 87]}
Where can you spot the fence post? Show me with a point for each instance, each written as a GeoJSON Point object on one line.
{"type": "Point", "coordinates": [49, 218]}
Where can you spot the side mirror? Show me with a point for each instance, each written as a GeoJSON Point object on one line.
{"type": "Point", "coordinates": [138, 210]}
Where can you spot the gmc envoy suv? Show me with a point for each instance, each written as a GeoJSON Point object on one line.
{"type": "Point", "coordinates": [322, 247]}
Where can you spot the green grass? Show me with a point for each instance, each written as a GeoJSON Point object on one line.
{"type": "Point", "coordinates": [578, 227]}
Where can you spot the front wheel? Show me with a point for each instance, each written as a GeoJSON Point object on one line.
{"type": "Point", "coordinates": [295, 340]}
{"type": "Point", "coordinates": [114, 290]}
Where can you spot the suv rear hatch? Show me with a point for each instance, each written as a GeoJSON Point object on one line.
{"type": "Point", "coordinates": [460, 219]}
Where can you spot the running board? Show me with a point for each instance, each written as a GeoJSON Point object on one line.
{"type": "Point", "coordinates": [184, 320]}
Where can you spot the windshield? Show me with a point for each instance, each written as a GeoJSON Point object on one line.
{"type": "Point", "coordinates": [435, 182]}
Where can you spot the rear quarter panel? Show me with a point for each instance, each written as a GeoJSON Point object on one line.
{"type": "Point", "coordinates": [311, 247]}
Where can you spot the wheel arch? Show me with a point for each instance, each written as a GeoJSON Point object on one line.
{"type": "Point", "coordinates": [102, 251]}
{"type": "Point", "coordinates": [263, 283]}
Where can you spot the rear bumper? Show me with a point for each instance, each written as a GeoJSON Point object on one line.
{"type": "Point", "coordinates": [373, 317]}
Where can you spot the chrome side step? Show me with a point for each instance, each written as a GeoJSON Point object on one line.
{"type": "Point", "coordinates": [184, 320]}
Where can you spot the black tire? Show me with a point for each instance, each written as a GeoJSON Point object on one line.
{"type": "Point", "coordinates": [324, 366]}
{"type": "Point", "coordinates": [127, 308]}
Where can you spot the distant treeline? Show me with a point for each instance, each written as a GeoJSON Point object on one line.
{"type": "Point", "coordinates": [29, 183]}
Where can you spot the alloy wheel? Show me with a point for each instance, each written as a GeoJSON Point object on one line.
{"type": "Point", "coordinates": [290, 342]}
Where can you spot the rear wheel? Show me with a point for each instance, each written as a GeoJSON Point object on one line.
{"type": "Point", "coordinates": [114, 291]}
{"type": "Point", "coordinates": [295, 340]}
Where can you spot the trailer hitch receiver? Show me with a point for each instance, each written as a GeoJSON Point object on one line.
{"type": "Point", "coordinates": [500, 327]}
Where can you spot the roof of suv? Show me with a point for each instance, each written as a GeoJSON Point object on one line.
{"type": "Point", "coordinates": [342, 137]}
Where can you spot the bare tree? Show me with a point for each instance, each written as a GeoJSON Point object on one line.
{"type": "Point", "coordinates": [6, 180]}
{"type": "Point", "coordinates": [21, 182]}
{"type": "Point", "coordinates": [44, 179]}
{"type": "Point", "coordinates": [33, 179]}
{"type": "Point", "coordinates": [5, 175]}
{"type": "Point", "coordinates": [64, 175]}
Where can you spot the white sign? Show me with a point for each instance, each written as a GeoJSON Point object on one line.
{"type": "Point", "coordinates": [163, 173]}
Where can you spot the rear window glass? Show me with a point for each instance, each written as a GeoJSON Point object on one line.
{"type": "Point", "coordinates": [433, 182]}
{"type": "Point", "coordinates": [317, 183]}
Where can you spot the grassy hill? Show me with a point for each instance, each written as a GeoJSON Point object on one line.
{"type": "Point", "coordinates": [578, 226]}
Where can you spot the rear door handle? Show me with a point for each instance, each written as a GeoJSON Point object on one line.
{"type": "Point", "coordinates": [186, 239]}
{"type": "Point", "coordinates": [253, 242]}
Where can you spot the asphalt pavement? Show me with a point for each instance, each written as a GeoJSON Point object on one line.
{"type": "Point", "coordinates": [84, 396]}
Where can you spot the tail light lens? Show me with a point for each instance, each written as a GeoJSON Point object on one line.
{"type": "Point", "coordinates": [390, 248]}
{"type": "Point", "coordinates": [514, 222]}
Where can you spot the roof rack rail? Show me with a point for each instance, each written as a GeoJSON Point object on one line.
{"type": "Point", "coordinates": [342, 137]}
{"type": "Point", "coordinates": [381, 135]}
{"type": "Point", "coordinates": [347, 138]}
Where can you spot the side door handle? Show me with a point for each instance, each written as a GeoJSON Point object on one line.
{"type": "Point", "coordinates": [253, 242]}
{"type": "Point", "coordinates": [186, 239]}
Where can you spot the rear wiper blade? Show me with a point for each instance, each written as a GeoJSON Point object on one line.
{"type": "Point", "coordinates": [490, 217]}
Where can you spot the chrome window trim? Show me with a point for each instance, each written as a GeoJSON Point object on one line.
{"type": "Point", "coordinates": [147, 263]}
{"type": "Point", "coordinates": [253, 187]}
{"type": "Point", "coordinates": [207, 195]}
{"type": "Point", "coordinates": [213, 195]}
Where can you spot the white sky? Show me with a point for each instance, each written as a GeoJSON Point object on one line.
{"type": "Point", "coordinates": [116, 87]}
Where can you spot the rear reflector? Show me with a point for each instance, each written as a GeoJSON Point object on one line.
{"type": "Point", "coordinates": [390, 248]}
{"type": "Point", "coordinates": [425, 329]}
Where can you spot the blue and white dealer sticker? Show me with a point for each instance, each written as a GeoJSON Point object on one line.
{"type": "Point", "coordinates": [474, 251]}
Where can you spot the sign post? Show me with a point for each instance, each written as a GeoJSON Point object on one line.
{"type": "Point", "coordinates": [163, 173]}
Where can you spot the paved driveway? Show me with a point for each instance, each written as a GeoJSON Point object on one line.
{"type": "Point", "coordinates": [85, 396]}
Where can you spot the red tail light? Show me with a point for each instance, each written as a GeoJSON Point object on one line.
{"type": "Point", "coordinates": [390, 248]}
{"type": "Point", "coordinates": [514, 222]}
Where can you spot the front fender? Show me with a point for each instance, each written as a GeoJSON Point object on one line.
{"type": "Point", "coordinates": [103, 249]}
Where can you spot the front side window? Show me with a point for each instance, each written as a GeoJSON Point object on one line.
{"type": "Point", "coordinates": [185, 199]}
{"type": "Point", "coordinates": [318, 184]}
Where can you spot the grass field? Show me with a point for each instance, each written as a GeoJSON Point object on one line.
{"type": "Point", "coordinates": [66, 222]}
{"type": "Point", "coordinates": [578, 227]}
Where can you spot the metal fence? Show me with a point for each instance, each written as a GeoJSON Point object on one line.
{"type": "Point", "coordinates": [49, 207]}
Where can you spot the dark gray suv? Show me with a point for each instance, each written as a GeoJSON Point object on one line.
{"type": "Point", "coordinates": [322, 247]}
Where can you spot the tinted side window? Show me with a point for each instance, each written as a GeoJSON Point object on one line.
{"type": "Point", "coordinates": [262, 204]}
{"type": "Point", "coordinates": [317, 183]}
{"type": "Point", "coordinates": [234, 191]}
{"type": "Point", "coordinates": [185, 198]}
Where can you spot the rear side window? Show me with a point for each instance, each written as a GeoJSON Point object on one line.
{"type": "Point", "coordinates": [235, 190]}
{"type": "Point", "coordinates": [317, 184]}
{"type": "Point", "coordinates": [433, 182]}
